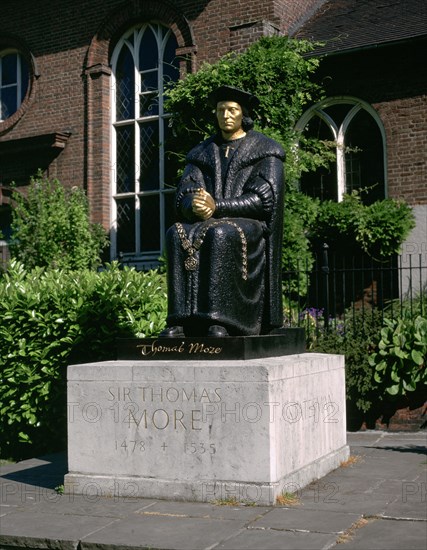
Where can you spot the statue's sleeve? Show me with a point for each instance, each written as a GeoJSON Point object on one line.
{"type": "Point", "coordinates": [192, 179]}
{"type": "Point", "coordinates": [257, 199]}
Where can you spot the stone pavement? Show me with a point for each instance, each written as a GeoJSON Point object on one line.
{"type": "Point", "coordinates": [377, 500]}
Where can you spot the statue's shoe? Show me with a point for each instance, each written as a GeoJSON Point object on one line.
{"type": "Point", "coordinates": [172, 332]}
{"type": "Point", "coordinates": [217, 331]}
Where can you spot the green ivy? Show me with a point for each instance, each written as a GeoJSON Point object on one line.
{"type": "Point", "coordinates": [297, 252]}
{"type": "Point", "coordinates": [283, 84]}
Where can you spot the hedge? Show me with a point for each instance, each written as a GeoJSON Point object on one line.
{"type": "Point", "coordinates": [50, 318]}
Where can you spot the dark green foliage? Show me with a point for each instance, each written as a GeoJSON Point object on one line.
{"type": "Point", "coordinates": [385, 356]}
{"type": "Point", "coordinates": [378, 229]}
{"type": "Point", "coordinates": [297, 252]}
{"type": "Point", "coordinates": [51, 228]}
{"type": "Point", "coordinates": [348, 227]}
{"type": "Point", "coordinates": [399, 363]}
{"type": "Point", "coordinates": [51, 318]}
{"type": "Point", "coordinates": [357, 338]}
{"type": "Point", "coordinates": [282, 84]}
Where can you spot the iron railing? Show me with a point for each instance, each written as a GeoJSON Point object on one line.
{"type": "Point", "coordinates": [337, 288]}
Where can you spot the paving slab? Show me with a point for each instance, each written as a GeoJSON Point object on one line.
{"type": "Point", "coordinates": [19, 528]}
{"type": "Point", "coordinates": [299, 519]}
{"type": "Point", "coordinates": [162, 531]}
{"type": "Point", "coordinates": [269, 539]}
{"type": "Point", "coordinates": [383, 534]}
{"type": "Point", "coordinates": [13, 493]}
{"type": "Point", "coordinates": [194, 509]}
{"type": "Point", "coordinates": [96, 507]}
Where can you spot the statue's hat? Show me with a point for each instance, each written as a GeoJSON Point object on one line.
{"type": "Point", "coordinates": [246, 100]}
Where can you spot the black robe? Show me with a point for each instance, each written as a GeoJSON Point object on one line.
{"type": "Point", "coordinates": [227, 270]}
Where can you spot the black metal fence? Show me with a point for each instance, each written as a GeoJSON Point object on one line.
{"type": "Point", "coordinates": [337, 287]}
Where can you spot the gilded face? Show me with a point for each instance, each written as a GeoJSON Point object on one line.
{"type": "Point", "coordinates": [229, 115]}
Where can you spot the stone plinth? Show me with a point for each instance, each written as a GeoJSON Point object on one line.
{"type": "Point", "coordinates": [205, 430]}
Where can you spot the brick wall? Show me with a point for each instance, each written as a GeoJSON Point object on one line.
{"type": "Point", "coordinates": [405, 122]}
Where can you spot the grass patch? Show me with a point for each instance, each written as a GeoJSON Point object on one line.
{"type": "Point", "coordinates": [348, 535]}
{"type": "Point", "coordinates": [6, 461]}
{"type": "Point", "coordinates": [288, 499]}
{"type": "Point", "coordinates": [351, 461]}
{"type": "Point", "coordinates": [231, 501]}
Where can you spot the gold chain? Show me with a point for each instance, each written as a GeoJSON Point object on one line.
{"type": "Point", "coordinates": [191, 263]}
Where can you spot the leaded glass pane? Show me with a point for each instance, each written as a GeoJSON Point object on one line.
{"type": "Point", "coordinates": [149, 81]}
{"type": "Point", "coordinates": [170, 61]}
{"type": "Point", "coordinates": [126, 225]}
{"type": "Point", "coordinates": [150, 228]}
{"type": "Point", "coordinates": [125, 173]}
{"type": "Point", "coordinates": [338, 112]}
{"type": "Point", "coordinates": [171, 159]}
{"type": "Point", "coordinates": [140, 142]}
{"type": "Point", "coordinates": [318, 129]}
{"type": "Point", "coordinates": [149, 104]}
{"type": "Point", "coordinates": [148, 51]}
{"type": "Point", "coordinates": [149, 155]}
{"type": "Point", "coordinates": [125, 83]}
{"type": "Point", "coordinates": [364, 158]}
{"type": "Point", "coordinates": [170, 212]}
{"type": "Point", "coordinates": [323, 182]}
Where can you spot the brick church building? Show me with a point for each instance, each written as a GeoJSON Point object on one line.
{"type": "Point", "coordinates": [81, 99]}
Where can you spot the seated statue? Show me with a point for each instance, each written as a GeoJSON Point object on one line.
{"type": "Point", "coordinates": [224, 255]}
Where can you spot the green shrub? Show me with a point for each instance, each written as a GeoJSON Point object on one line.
{"type": "Point", "coordinates": [378, 229]}
{"type": "Point", "coordinates": [357, 338]}
{"type": "Point", "coordinates": [297, 256]}
{"type": "Point", "coordinates": [51, 227]}
{"type": "Point", "coordinates": [384, 357]}
{"type": "Point", "coordinates": [51, 318]}
{"type": "Point", "coordinates": [400, 361]}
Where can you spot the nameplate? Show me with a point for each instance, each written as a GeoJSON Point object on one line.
{"type": "Point", "coordinates": [290, 341]}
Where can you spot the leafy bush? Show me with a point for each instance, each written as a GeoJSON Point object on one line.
{"type": "Point", "coordinates": [378, 229]}
{"type": "Point", "coordinates": [357, 338]}
{"type": "Point", "coordinates": [400, 361]}
{"type": "Point", "coordinates": [51, 318]}
{"type": "Point", "coordinates": [297, 256]}
{"type": "Point", "coordinates": [385, 356]}
{"type": "Point", "coordinates": [51, 227]}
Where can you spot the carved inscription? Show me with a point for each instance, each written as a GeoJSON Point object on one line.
{"type": "Point", "coordinates": [149, 407]}
{"type": "Point", "coordinates": [140, 446]}
{"type": "Point", "coordinates": [173, 418]}
{"type": "Point", "coordinates": [192, 348]}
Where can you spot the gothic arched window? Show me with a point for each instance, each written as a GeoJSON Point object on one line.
{"type": "Point", "coordinates": [357, 132]}
{"type": "Point", "coordinates": [144, 63]}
